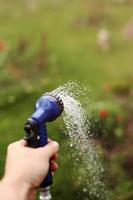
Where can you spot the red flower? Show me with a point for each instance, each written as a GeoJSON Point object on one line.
{"type": "Point", "coordinates": [2, 45]}
{"type": "Point", "coordinates": [103, 113]}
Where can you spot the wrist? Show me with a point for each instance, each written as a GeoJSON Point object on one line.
{"type": "Point", "coordinates": [17, 189]}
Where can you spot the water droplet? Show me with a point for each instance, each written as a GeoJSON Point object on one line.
{"type": "Point", "coordinates": [71, 145]}
{"type": "Point", "coordinates": [84, 190]}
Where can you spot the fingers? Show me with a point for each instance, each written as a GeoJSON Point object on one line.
{"type": "Point", "coordinates": [53, 166]}
{"type": "Point", "coordinates": [49, 150]}
{"type": "Point", "coordinates": [54, 157]}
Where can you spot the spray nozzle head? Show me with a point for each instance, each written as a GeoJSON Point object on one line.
{"type": "Point", "coordinates": [48, 107]}
{"type": "Point", "coordinates": [57, 99]}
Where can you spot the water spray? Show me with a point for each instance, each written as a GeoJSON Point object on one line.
{"type": "Point", "coordinates": [47, 109]}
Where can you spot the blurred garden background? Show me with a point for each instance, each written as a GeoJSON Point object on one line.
{"type": "Point", "coordinates": [44, 44]}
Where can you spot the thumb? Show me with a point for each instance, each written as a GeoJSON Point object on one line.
{"type": "Point", "coordinates": [50, 149]}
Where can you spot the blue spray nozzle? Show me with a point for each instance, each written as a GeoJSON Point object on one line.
{"type": "Point", "coordinates": [48, 107]}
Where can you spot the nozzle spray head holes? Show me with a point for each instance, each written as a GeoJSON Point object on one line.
{"type": "Point", "coordinates": [57, 99]}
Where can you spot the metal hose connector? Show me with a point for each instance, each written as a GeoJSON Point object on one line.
{"type": "Point", "coordinates": [45, 194]}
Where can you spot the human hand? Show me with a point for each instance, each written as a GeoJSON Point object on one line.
{"type": "Point", "coordinates": [27, 166]}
